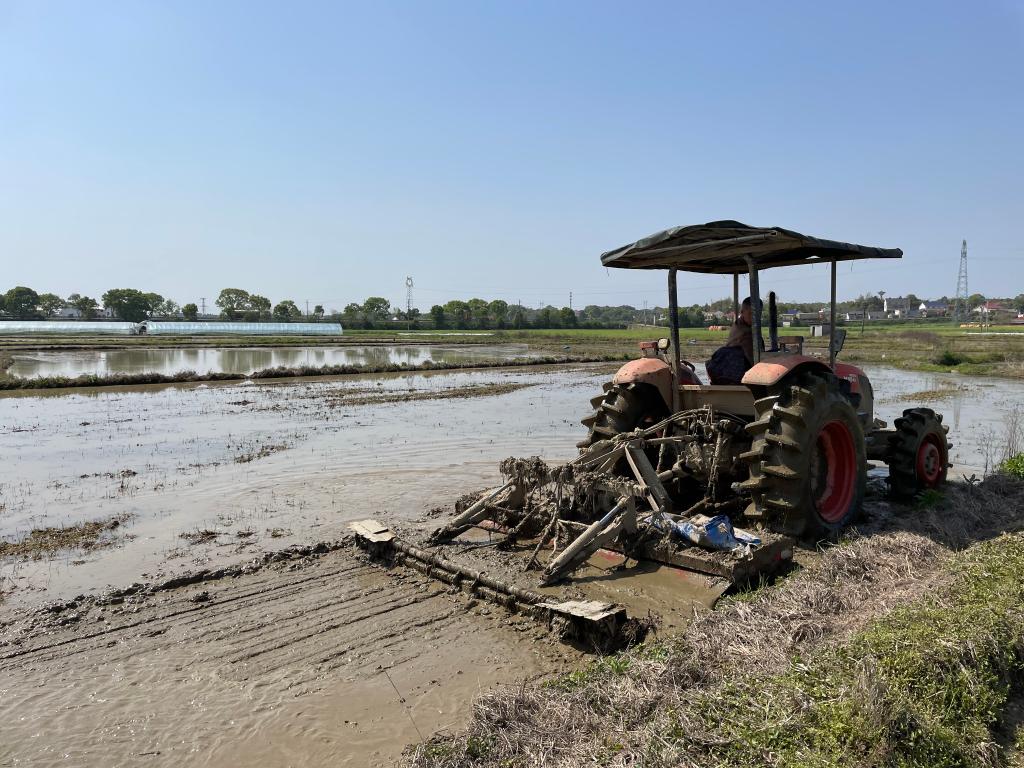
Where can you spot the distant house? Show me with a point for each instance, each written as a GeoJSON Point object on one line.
{"type": "Point", "coordinates": [995, 311]}
{"type": "Point", "coordinates": [900, 307]}
{"type": "Point", "coordinates": [936, 308]}
{"type": "Point", "coordinates": [70, 313]}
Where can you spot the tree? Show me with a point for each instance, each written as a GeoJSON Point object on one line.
{"type": "Point", "coordinates": [259, 306]}
{"type": "Point", "coordinates": [21, 302]}
{"type": "Point", "coordinates": [567, 317]}
{"type": "Point", "coordinates": [86, 305]}
{"type": "Point", "coordinates": [232, 302]}
{"type": "Point", "coordinates": [1019, 302]}
{"type": "Point", "coordinates": [352, 313]}
{"type": "Point", "coordinates": [50, 303]}
{"type": "Point", "coordinates": [286, 311]}
{"type": "Point", "coordinates": [156, 303]}
{"type": "Point", "coordinates": [129, 304]}
{"type": "Point", "coordinates": [166, 308]}
{"type": "Point", "coordinates": [497, 310]}
{"type": "Point", "coordinates": [458, 312]}
{"type": "Point", "coordinates": [545, 319]}
{"type": "Point", "coordinates": [318, 312]}
{"type": "Point", "coordinates": [376, 308]}
{"type": "Point", "coordinates": [478, 313]}
{"type": "Point", "coordinates": [190, 311]}
{"type": "Point", "coordinates": [518, 318]}
{"type": "Point", "coordinates": [437, 313]}
{"type": "Point", "coordinates": [975, 300]}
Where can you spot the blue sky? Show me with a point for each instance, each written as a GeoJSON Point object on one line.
{"type": "Point", "coordinates": [324, 151]}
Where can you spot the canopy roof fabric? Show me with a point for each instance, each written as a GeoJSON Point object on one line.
{"type": "Point", "coordinates": [722, 247]}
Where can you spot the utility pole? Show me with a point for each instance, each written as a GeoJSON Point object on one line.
{"type": "Point", "coordinates": [570, 299]}
{"type": "Point", "coordinates": [307, 309]}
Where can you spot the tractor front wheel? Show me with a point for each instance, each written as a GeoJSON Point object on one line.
{"type": "Point", "coordinates": [622, 408]}
{"type": "Point", "coordinates": [807, 458]}
{"type": "Point", "coordinates": [918, 455]}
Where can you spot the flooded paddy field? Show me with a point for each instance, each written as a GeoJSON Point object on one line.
{"type": "Point", "coordinates": [202, 360]}
{"type": "Point", "coordinates": [300, 658]}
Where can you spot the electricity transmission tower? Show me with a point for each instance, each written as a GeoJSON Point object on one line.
{"type": "Point", "coordinates": [961, 310]}
{"type": "Point", "coordinates": [408, 296]}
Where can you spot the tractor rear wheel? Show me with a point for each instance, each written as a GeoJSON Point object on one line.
{"type": "Point", "coordinates": [918, 455]}
{"type": "Point", "coordinates": [622, 408]}
{"type": "Point", "coordinates": [808, 469]}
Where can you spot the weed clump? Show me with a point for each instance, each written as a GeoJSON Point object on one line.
{"type": "Point", "coordinates": [1013, 466]}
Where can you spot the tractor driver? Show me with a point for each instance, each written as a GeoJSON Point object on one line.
{"type": "Point", "coordinates": [730, 362]}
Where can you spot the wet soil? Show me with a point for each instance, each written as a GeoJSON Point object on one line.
{"type": "Point", "coordinates": [319, 660]}
{"type": "Point", "coordinates": [265, 665]}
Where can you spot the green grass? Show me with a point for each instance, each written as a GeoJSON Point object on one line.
{"type": "Point", "coordinates": [922, 686]}
{"type": "Point", "coordinates": [1014, 466]}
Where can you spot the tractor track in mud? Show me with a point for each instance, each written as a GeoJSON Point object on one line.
{"type": "Point", "coordinates": [297, 646]}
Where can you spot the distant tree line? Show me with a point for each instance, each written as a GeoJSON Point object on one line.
{"type": "Point", "coordinates": [236, 304]}
{"type": "Point", "coordinates": [23, 303]}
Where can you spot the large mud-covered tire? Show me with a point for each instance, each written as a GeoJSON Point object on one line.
{"type": "Point", "coordinates": [807, 462]}
{"type": "Point", "coordinates": [622, 408]}
{"type": "Point", "coordinates": [918, 455]}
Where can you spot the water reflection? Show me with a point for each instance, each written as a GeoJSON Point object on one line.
{"type": "Point", "coordinates": [247, 360]}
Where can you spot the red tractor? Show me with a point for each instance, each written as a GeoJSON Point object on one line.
{"type": "Point", "coordinates": [791, 442]}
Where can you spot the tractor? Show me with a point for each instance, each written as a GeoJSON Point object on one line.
{"type": "Point", "coordinates": [671, 467]}
{"type": "Point", "coordinates": [808, 423]}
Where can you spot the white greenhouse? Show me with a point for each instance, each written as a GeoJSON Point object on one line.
{"type": "Point", "coordinates": [17, 327]}
{"type": "Point", "coordinates": [152, 328]}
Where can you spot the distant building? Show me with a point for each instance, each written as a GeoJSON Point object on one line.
{"type": "Point", "coordinates": [900, 307]}
{"type": "Point", "coordinates": [70, 313]}
{"type": "Point", "coordinates": [936, 308]}
{"type": "Point", "coordinates": [995, 312]}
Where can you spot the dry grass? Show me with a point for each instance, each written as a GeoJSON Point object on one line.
{"type": "Point", "coordinates": [648, 706]}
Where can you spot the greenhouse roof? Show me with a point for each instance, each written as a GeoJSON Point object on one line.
{"type": "Point", "coordinates": [242, 329]}
{"type": "Point", "coordinates": [65, 326]}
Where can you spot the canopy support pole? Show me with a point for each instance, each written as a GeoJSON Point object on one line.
{"type": "Point", "coordinates": [673, 315]}
{"type": "Point", "coordinates": [832, 320]}
{"type": "Point", "coordinates": [755, 309]}
{"type": "Point", "coordinates": [735, 297]}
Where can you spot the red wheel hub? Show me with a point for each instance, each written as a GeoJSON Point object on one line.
{"type": "Point", "coordinates": [834, 472]}
{"type": "Point", "coordinates": [930, 462]}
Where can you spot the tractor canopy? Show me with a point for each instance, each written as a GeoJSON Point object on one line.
{"type": "Point", "coordinates": [728, 247]}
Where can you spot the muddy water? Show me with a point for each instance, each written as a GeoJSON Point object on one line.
{"type": "Point", "coordinates": [262, 465]}
{"type": "Point", "coordinates": [212, 360]}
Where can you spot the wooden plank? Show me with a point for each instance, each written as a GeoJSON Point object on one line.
{"type": "Point", "coordinates": [656, 494]}
{"type": "Point", "coordinates": [371, 530]}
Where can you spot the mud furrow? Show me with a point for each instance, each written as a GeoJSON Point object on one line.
{"type": "Point", "coordinates": [306, 612]}
{"type": "Point", "coordinates": [237, 603]}
{"type": "Point", "coordinates": [305, 635]}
